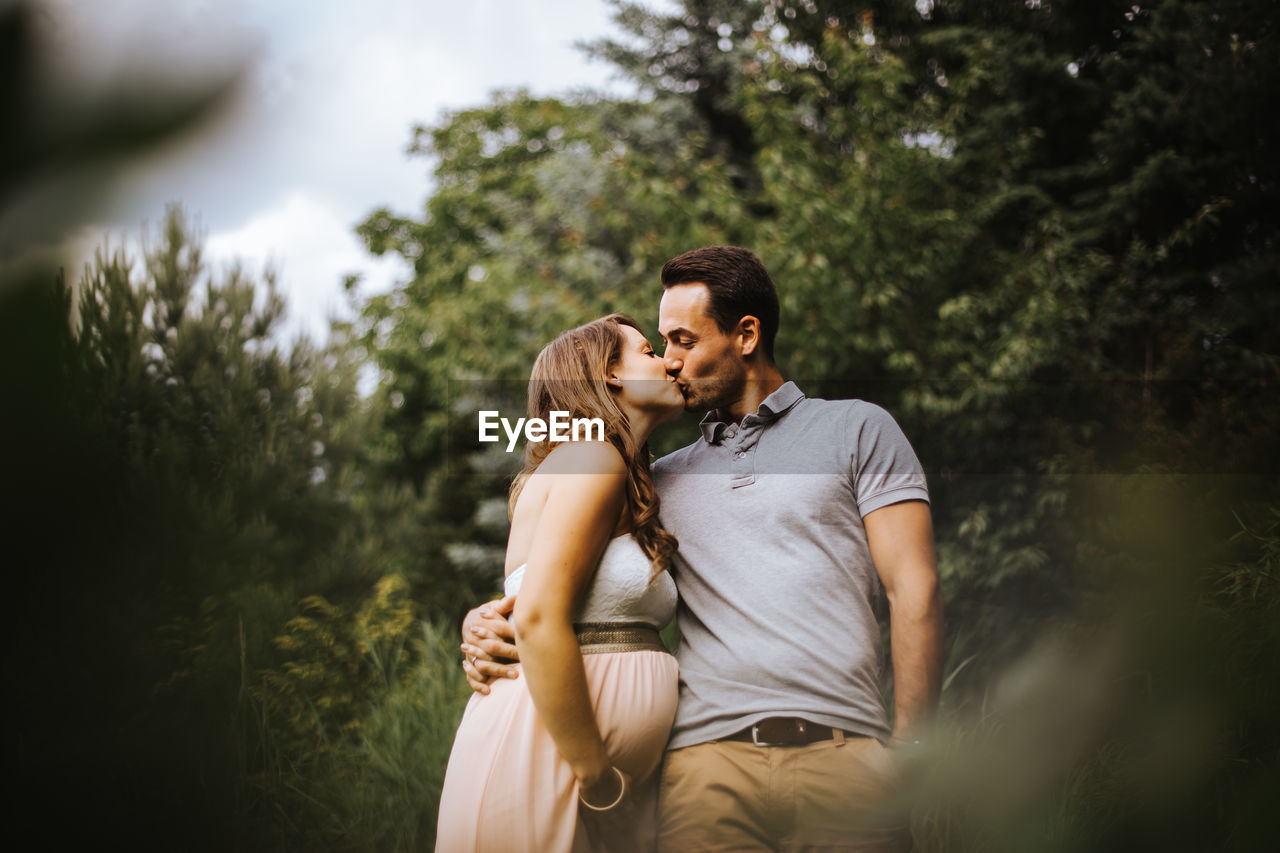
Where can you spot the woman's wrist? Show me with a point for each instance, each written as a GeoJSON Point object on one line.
{"type": "Point", "coordinates": [592, 763]}
{"type": "Point", "coordinates": [592, 775]}
{"type": "Point", "coordinates": [606, 793]}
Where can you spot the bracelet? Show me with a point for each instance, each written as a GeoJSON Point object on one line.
{"type": "Point", "coordinates": [622, 783]}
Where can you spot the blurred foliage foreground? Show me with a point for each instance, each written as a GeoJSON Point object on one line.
{"type": "Point", "coordinates": [218, 640]}
{"type": "Point", "coordinates": [1043, 235]}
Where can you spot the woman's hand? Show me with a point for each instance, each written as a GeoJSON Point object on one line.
{"type": "Point", "coordinates": [605, 806]}
{"type": "Point", "coordinates": [606, 790]}
{"type": "Point", "coordinates": [486, 636]}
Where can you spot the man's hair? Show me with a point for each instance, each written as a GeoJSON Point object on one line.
{"type": "Point", "coordinates": [739, 285]}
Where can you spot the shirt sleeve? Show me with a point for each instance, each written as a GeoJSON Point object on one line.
{"type": "Point", "coordinates": [884, 469]}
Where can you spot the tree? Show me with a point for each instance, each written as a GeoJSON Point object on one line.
{"type": "Point", "coordinates": [1042, 234]}
{"type": "Point", "coordinates": [181, 478]}
{"type": "Point", "coordinates": [546, 213]}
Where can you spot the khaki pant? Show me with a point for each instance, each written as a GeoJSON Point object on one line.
{"type": "Point", "coordinates": [828, 796]}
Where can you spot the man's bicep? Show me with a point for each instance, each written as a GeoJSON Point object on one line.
{"type": "Point", "coordinates": [900, 538]}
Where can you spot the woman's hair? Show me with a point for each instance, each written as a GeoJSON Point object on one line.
{"type": "Point", "coordinates": [570, 375]}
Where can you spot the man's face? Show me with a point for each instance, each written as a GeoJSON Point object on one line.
{"type": "Point", "coordinates": [704, 361]}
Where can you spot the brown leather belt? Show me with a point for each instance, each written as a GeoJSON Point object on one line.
{"type": "Point", "coordinates": [784, 731]}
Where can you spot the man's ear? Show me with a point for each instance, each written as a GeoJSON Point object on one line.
{"type": "Point", "coordinates": [748, 334]}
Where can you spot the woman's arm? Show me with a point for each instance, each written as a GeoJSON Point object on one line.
{"type": "Point", "coordinates": [584, 502]}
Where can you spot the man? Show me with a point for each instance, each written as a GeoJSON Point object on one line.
{"type": "Point", "coordinates": [792, 514]}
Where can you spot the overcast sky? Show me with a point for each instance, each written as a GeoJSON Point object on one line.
{"type": "Point", "coordinates": [318, 139]}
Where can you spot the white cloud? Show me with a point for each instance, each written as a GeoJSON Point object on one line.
{"type": "Point", "coordinates": [317, 140]}
{"type": "Point", "coordinates": [312, 248]}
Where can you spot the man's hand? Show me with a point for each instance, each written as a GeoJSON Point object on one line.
{"type": "Point", "coordinates": [487, 636]}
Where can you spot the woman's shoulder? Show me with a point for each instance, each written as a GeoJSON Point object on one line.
{"type": "Point", "coordinates": [583, 457]}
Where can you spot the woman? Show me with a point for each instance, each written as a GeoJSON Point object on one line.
{"type": "Point", "coordinates": [563, 758]}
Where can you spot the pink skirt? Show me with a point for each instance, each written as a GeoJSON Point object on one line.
{"type": "Point", "coordinates": [507, 789]}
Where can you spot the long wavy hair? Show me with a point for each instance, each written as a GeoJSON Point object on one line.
{"type": "Point", "coordinates": [570, 375]}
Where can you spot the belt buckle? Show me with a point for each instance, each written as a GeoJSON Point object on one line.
{"type": "Point", "coordinates": [755, 736]}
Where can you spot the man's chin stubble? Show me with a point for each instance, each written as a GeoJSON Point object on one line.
{"type": "Point", "coordinates": [695, 404]}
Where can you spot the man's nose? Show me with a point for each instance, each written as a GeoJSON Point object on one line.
{"type": "Point", "coordinates": [672, 364]}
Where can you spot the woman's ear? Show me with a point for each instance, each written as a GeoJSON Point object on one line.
{"type": "Point", "coordinates": [614, 381]}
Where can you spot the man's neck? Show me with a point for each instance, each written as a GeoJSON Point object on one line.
{"type": "Point", "coordinates": [761, 382]}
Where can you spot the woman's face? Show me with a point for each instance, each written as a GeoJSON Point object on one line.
{"type": "Point", "coordinates": [645, 385]}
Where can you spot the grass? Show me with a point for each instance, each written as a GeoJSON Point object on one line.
{"type": "Point", "coordinates": [378, 790]}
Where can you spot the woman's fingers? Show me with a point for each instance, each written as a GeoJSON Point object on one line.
{"type": "Point", "coordinates": [480, 671]}
{"type": "Point", "coordinates": [477, 682]}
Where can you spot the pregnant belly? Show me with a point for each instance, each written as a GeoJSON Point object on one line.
{"type": "Point", "coordinates": [634, 697]}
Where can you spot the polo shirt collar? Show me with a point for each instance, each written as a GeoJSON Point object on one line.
{"type": "Point", "coordinates": [771, 408]}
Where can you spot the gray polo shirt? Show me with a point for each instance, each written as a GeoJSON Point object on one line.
{"type": "Point", "coordinates": [777, 587]}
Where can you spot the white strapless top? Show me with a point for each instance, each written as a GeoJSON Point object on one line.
{"type": "Point", "coordinates": [620, 590]}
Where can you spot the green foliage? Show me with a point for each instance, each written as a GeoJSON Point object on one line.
{"type": "Point", "coordinates": [225, 456]}
{"type": "Point", "coordinates": [1148, 728]}
{"type": "Point", "coordinates": [1042, 234]}
{"type": "Point", "coordinates": [994, 221]}
{"type": "Point", "coordinates": [374, 782]}
{"type": "Point", "coordinates": [185, 481]}
{"type": "Point", "coordinates": [334, 666]}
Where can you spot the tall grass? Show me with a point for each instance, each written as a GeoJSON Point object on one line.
{"type": "Point", "coordinates": [378, 788]}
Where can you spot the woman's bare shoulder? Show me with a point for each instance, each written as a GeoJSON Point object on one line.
{"type": "Point", "coordinates": [583, 457]}
{"type": "Point", "coordinates": [596, 485]}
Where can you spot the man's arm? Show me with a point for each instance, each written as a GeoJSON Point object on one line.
{"type": "Point", "coordinates": [900, 537]}
{"type": "Point", "coordinates": [486, 637]}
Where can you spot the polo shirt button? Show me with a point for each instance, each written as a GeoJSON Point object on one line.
{"type": "Point", "coordinates": [729, 433]}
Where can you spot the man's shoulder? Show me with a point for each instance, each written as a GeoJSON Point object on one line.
{"type": "Point", "coordinates": [676, 459]}
{"type": "Point", "coordinates": [854, 405]}
{"type": "Point", "coordinates": [857, 425]}
{"type": "Point", "coordinates": [851, 412]}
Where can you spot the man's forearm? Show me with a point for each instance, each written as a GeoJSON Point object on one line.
{"type": "Point", "coordinates": [900, 537]}
{"type": "Point", "coordinates": [915, 634]}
